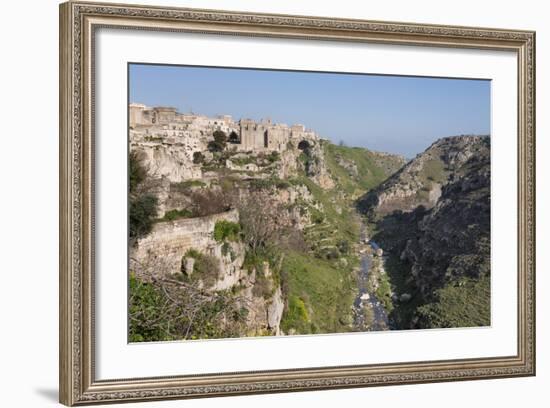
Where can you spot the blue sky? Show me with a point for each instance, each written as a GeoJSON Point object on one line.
{"type": "Point", "coordinates": [394, 114]}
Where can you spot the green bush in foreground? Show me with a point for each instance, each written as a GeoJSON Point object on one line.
{"type": "Point", "coordinates": [160, 312]}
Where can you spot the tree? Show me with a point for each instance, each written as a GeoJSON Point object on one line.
{"type": "Point", "coordinates": [143, 209]}
{"type": "Point", "coordinates": [143, 205]}
{"type": "Point", "coordinates": [219, 143]}
{"type": "Point", "coordinates": [137, 170]}
{"type": "Point", "coordinates": [264, 221]}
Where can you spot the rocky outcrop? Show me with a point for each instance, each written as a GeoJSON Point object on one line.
{"type": "Point", "coordinates": [315, 166]}
{"type": "Point", "coordinates": [173, 161]}
{"type": "Point", "coordinates": [420, 181]}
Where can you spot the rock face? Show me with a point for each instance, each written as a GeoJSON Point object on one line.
{"type": "Point", "coordinates": [315, 166]}
{"type": "Point", "coordinates": [419, 182]}
{"type": "Point", "coordinates": [453, 238]}
{"type": "Point", "coordinates": [171, 161]}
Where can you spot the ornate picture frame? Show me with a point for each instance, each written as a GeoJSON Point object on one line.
{"type": "Point", "coordinates": [79, 22]}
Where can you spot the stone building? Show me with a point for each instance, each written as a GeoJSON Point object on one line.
{"type": "Point", "coordinates": [169, 126]}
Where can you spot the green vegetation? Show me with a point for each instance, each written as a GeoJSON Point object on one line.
{"type": "Point", "coordinates": [198, 158]}
{"type": "Point", "coordinates": [464, 303]}
{"type": "Point", "coordinates": [155, 139]}
{"type": "Point", "coordinates": [434, 170]}
{"type": "Point", "coordinates": [370, 173]}
{"type": "Point", "coordinates": [143, 210]}
{"type": "Point", "coordinates": [268, 183]}
{"type": "Point", "coordinates": [137, 172]}
{"type": "Point", "coordinates": [273, 157]}
{"type": "Point", "coordinates": [296, 317]}
{"type": "Point", "coordinates": [219, 143]}
{"type": "Point", "coordinates": [263, 286]}
{"type": "Point", "coordinates": [183, 186]}
{"type": "Point", "coordinates": [176, 214]}
{"type": "Point", "coordinates": [226, 230]}
{"type": "Point", "coordinates": [145, 302]}
{"type": "Point", "coordinates": [242, 161]}
{"type": "Point", "coordinates": [320, 294]}
{"type": "Point", "coordinates": [383, 293]}
{"type": "Point", "coordinates": [334, 223]}
{"type": "Point", "coordinates": [228, 250]}
{"type": "Point", "coordinates": [142, 205]}
{"type": "Point", "coordinates": [205, 268]}
{"type": "Point", "coordinates": [166, 311]}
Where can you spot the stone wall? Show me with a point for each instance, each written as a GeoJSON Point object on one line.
{"type": "Point", "coordinates": [161, 251]}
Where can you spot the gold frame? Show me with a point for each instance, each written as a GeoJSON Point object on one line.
{"type": "Point", "coordinates": [78, 21]}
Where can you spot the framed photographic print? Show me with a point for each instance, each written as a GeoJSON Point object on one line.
{"type": "Point", "coordinates": [260, 203]}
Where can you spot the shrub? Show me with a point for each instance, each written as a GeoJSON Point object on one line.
{"type": "Point", "coordinates": [183, 186]}
{"type": "Point", "coordinates": [159, 312]}
{"type": "Point", "coordinates": [143, 210]}
{"type": "Point", "coordinates": [273, 157]}
{"type": "Point", "coordinates": [227, 250]}
{"type": "Point", "coordinates": [343, 246]}
{"type": "Point", "coordinates": [207, 202]}
{"type": "Point", "coordinates": [260, 184]}
{"type": "Point", "coordinates": [296, 316]}
{"type": "Point", "coordinates": [263, 286]}
{"type": "Point", "coordinates": [175, 214]}
{"type": "Point", "coordinates": [144, 308]}
{"type": "Point", "coordinates": [206, 267]}
{"type": "Point", "coordinates": [226, 230]}
{"type": "Point", "coordinates": [282, 184]}
{"type": "Point", "coordinates": [198, 157]}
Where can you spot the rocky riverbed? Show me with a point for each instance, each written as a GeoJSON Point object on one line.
{"type": "Point", "coordinates": [369, 313]}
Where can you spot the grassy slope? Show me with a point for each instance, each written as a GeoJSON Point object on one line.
{"type": "Point", "coordinates": [370, 174]}
{"type": "Point", "coordinates": [325, 290]}
{"type": "Point", "coordinates": [463, 304]}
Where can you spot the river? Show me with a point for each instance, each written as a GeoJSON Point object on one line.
{"type": "Point", "coordinates": [369, 313]}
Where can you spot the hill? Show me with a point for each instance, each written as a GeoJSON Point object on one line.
{"type": "Point", "coordinates": [433, 220]}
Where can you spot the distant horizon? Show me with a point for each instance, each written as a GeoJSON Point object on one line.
{"type": "Point", "coordinates": [309, 128]}
{"type": "Point", "coordinates": [358, 110]}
